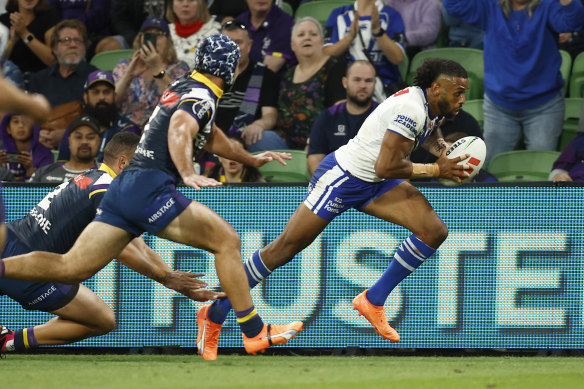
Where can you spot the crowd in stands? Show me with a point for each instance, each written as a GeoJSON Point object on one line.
{"type": "Point", "coordinates": [302, 84]}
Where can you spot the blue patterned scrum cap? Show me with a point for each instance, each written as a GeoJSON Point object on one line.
{"type": "Point", "coordinates": [218, 55]}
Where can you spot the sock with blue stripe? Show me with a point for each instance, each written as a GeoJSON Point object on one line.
{"type": "Point", "coordinates": [256, 272]}
{"type": "Point", "coordinates": [409, 255]}
{"type": "Point", "coordinates": [250, 322]}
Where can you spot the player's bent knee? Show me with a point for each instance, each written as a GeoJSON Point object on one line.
{"type": "Point", "coordinates": [108, 323]}
{"type": "Point", "coordinates": [228, 240]}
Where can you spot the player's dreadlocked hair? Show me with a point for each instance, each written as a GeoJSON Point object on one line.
{"type": "Point", "coordinates": [432, 68]}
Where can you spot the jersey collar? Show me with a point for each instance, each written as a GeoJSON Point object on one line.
{"type": "Point", "coordinates": [105, 168]}
{"type": "Point", "coordinates": [201, 78]}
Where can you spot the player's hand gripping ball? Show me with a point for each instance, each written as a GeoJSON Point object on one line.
{"type": "Point", "coordinates": [477, 149]}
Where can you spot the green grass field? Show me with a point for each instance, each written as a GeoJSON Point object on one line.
{"type": "Point", "coordinates": [235, 371]}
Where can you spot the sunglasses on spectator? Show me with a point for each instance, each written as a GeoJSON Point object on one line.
{"type": "Point", "coordinates": [68, 40]}
{"type": "Point", "coordinates": [233, 25]}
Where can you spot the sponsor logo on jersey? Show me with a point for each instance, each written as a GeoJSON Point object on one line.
{"type": "Point", "coordinates": [43, 296]}
{"type": "Point", "coordinates": [147, 153]}
{"type": "Point", "coordinates": [406, 122]}
{"type": "Point", "coordinates": [82, 181]}
{"type": "Point", "coordinates": [42, 221]}
{"type": "Point", "coordinates": [202, 108]}
{"type": "Point", "coordinates": [161, 211]}
{"type": "Point", "coordinates": [169, 98]}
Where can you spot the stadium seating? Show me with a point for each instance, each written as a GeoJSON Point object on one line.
{"type": "Point", "coordinates": [296, 169]}
{"type": "Point", "coordinates": [320, 10]}
{"type": "Point", "coordinates": [577, 77]}
{"type": "Point", "coordinates": [523, 165]}
{"type": "Point", "coordinates": [471, 59]}
{"type": "Point", "coordinates": [286, 7]}
{"type": "Point", "coordinates": [108, 60]}
{"type": "Point", "coordinates": [475, 108]}
{"type": "Point", "coordinates": [566, 65]}
{"type": "Point", "coordinates": [571, 117]}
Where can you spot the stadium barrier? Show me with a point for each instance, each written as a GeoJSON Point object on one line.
{"type": "Point", "coordinates": [510, 274]}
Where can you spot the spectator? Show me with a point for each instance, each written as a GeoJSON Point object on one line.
{"type": "Point", "coordinates": [63, 82]}
{"type": "Point", "coordinates": [372, 31]}
{"type": "Point", "coordinates": [141, 81]}
{"type": "Point", "coordinates": [570, 164]}
{"type": "Point", "coordinates": [225, 10]}
{"type": "Point", "coordinates": [99, 99]}
{"type": "Point", "coordinates": [249, 109]}
{"type": "Point", "coordinates": [270, 28]}
{"type": "Point", "coordinates": [231, 171]}
{"type": "Point", "coordinates": [309, 87]}
{"type": "Point", "coordinates": [190, 24]}
{"type": "Point", "coordinates": [461, 34]}
{"type": "Point", "coordinates": [31, 24]}
{"type": "Point", "coordinates": [126, 18]}
{"type": "Point", "coordinates": [83, 145]}
{"type": "Point", "coordinates": [22, 153]}
{"type": "Point", "coordinates": [523, 83]}
{"type": "Point", "coordinates": [96, 17]}
{"type": "Point", "coordinates": [335, 126]}
{"type": "Point", "coordinates": [422, 20]}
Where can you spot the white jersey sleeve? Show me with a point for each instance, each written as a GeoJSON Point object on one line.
{"type": "Point", "coordinates": [406, 113]}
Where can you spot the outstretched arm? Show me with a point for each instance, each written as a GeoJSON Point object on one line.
{"type": "Point", "coordinates": [219, 144]}
{"type": "Point", "coordinates": [181, 131]}
{"type": "Point", "coordinates": [142, 259]}
{"type": "Point", "coordinates": [12, 99]}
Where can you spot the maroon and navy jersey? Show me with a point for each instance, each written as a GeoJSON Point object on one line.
{"type": "Point", "coordinates": [57, 220]}
{"type": "Point", "coordinates": [194, 94]}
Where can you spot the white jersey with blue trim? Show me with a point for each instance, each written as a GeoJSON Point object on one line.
{"type": "Point", "coordinates": [406, 113]}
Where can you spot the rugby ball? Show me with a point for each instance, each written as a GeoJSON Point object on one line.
{"type": "Point", "coordinates": [477, 149]}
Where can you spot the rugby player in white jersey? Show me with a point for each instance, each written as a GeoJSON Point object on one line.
{"type": "Point", "coordinates": [371, 174]}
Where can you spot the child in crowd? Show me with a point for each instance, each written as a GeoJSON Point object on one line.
{"type": "Point", "coordinates": [22, 153]}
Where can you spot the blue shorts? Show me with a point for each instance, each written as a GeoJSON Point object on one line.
{"type": "Point", "coordinates": [141, 200]}
{"type": "Point", "coordinates": [333, 190]}
{"type": "Point", "coordinates": [34, 296]}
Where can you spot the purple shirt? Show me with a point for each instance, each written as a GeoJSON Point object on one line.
{"type": "Point", "coordinates": [96, 18]}
{"type": "Point", "coordinates": [272, 37]}
{"type": "Point", "coordinates": [422, 19]}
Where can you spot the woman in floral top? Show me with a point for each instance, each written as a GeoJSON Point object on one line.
{"type": "Point", "coordinates": [311, 86]}
{"type": "Point", "coordinates": [141, 81]}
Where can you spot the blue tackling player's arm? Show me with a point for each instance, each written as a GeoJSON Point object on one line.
{"type": "Point", "coordinates": [138, 256]}
{"type": "Point", "coordinates": [219, 144]}
{"type": "Point", "coordinates": [182, 130]}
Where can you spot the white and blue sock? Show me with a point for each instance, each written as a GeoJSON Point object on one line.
{"type": "Point", "coordinates": [409, 255]}
{"type": "Point", "coordinates": [256, 272]}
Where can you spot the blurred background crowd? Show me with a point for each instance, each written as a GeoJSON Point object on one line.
{"type": "Point", "coordinates": [309, 75]}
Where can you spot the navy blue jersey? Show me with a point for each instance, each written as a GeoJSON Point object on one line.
{"type": "Point", "coordinates": [57, 220]}
{"type": "Point", "coordinates": [194, 94]}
